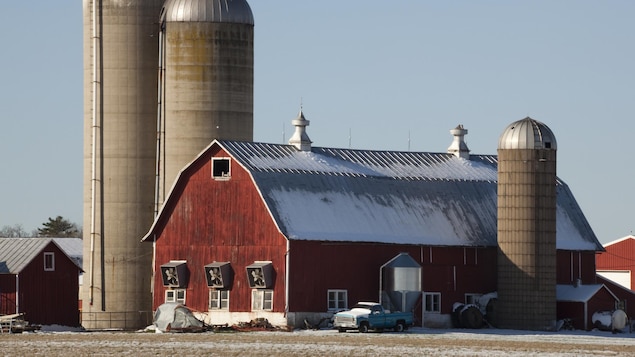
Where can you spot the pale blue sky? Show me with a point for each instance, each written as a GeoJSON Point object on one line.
{"type": "Point", "coordinates": [394, 74]}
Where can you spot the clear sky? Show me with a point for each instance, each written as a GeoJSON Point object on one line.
{"type": "Point", "coordinates": [387, 75]}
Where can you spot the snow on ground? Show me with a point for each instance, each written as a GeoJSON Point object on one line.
{"type": "Point", "coordinates": [58, 341]}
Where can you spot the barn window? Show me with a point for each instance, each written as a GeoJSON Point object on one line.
{"type": "Point", "coordinates": [49, 261]}
{"type": "Point", "coordinates": [221, 168]}
{"type": "Point", "coordinates": [472, 299]}
{"type": "Point", "coordinates": [175, 295]}
{"type": "Point", "coordinates": [219, 299]}
{"type": "Point", "coordinates": [337, 300]}
{"type": "Point", "coordinates": [433, 302]}
{"type": "Point", "coordinates": [262, 300]}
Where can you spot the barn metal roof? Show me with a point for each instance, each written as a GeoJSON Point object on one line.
{"type": "Point", "coordinates": [17, 253]}
{"type": "Point", "coordinates": [396, 197]}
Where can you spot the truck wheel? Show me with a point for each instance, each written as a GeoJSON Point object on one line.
{"type": "Point", "coordinates": [400, 327]}
{"type": "Point", "coordinates": [363, 328]}
{"type": "Point", "coordinates": [341, 330]}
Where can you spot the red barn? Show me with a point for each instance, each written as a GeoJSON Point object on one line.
{"type": "Point", "coordinates": [39, 279]}
{"type": "Point", "coordinates": [293, 233]}
{"type": "Point", "coordinates": [617, 262]}
{"type": "Point", "coordinates": [615, 268]}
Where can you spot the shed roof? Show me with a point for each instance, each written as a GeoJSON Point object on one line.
{"type": "Point", "coordinates": [17, 253]}
{"type": "Point", "coordinates": [419, 198]}
{"type": "Point", "coordinates": [580, 293]}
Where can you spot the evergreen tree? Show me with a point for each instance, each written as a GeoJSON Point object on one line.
{"type": "Point", "coordinates": [59, 228]}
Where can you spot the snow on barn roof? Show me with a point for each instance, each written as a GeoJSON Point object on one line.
{"type": "Point", "coordinates": [579, 293]}
{"type": "Point", "coordinates": [391, 197]}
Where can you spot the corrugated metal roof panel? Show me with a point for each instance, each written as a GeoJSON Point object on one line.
{"type": "Point", "coordinates": [261, 157]}
{"type": "Point", "coordinates": [17, 253]}
{"type": "Point", "coordinates": [392, 197]}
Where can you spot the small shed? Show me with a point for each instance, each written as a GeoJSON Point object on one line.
{"type": "Point", "coordinates": [583, 301]}
{"type": "Point", "coordinates": [39, 279]}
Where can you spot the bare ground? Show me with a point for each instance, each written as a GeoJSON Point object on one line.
{"type": "Point", "coordinates": [415, 342]}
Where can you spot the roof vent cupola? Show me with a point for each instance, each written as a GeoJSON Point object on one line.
{"type": "Point", "coordinates": [458, 146]}
{"type": "Point", "coordinates": [300, 139]}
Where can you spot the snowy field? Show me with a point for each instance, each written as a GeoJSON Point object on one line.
{"type": "Point", "coordinates": [414, 342]}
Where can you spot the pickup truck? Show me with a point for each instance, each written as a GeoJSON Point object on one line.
{"type": "Point", "coordinates": [367, 316]}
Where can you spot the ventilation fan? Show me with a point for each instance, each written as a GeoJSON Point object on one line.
{"type": "Point", "coordinates": [260, 275]}
{"type": "Point", "coordinates": [219, 275]}
{"type": "Point", "coordinates": [174, 274]}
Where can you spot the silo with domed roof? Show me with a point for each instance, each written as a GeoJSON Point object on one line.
{"type": "Point", "coordinates": [527, 226]}
{"type": "Point", "coordinates": [207, 61]}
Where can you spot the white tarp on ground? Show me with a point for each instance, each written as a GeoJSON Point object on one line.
{"type": "Point", "coordinates": [174, 316]}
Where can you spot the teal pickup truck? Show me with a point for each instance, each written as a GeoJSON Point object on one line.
{"type": "Point", "coordinates": [367, 316]}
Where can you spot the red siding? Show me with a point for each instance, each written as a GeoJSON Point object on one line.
{"type": "Point", "coordinates": [316, 267]}
{"type": "Point", "coordinates": [47, 297]}
{"type": "Point", "coordinates": [619, 256]}
{"type": "Point", "coordinates": [208, 220]}
{"type": "Point", "coordinates": [623, 294]}
{"type": "Point", "coordinates": [215, 220]}
{"type": "Point", "coordinates": [601, 301]}
{"type": "Point", "coordinates": [575, 265]}
{"type": "Point", "coordinates": [7, 294]}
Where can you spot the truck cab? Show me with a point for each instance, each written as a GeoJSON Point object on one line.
{"type": "Point", "coordinates": [365, 316]}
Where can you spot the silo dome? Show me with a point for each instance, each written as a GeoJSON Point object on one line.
{"type": "Point", "coordinates": [527, 134]}
{"type": "Point", "coordinates": [227, 11]}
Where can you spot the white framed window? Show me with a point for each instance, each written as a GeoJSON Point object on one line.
{"type": "Point", "coordinates": [261, 300]}
{"type": "Point", "coordinates": [221, 168]}
{"type": "Point", "coordinates": [175, 295]}
{"type": "Point", "coordinates": [337, 299]}
{"type": "Point", "coordinates": [472, 299]}
{"type": "Point", "coordinates": [218, 299]}
{"type": "Point", "coordinates": [49, 261]}
{"type": "Point", "coordinates": [433, 302]}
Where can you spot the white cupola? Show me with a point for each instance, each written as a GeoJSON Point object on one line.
{"type": "Point", "coordinates": [300, 139]}
{"type": "Point", "coordinates": [458, 146]}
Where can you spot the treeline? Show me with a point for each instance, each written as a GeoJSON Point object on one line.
{"type": "Point", "coordinates": [57, 227]}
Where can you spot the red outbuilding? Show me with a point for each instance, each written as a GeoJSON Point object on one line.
{"type": "Point", "coordinates": [617, 262]}
{"type": "Point", "coordinates": [294, 233]}
{"type": "Point", "coordinates": [39, 279]}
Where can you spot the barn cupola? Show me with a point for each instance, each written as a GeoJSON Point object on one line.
{"type": "Point", "coordinates": [300, 139]}
{"type": "Point", "coordinates": [458, 146]}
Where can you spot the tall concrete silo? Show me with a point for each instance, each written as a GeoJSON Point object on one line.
{"type": "Point", "coordinates": [207, 56]}
{"type": "Point", "coordinates": [527, 226]}
{"type": "Point", "coordinates": [120, 116]}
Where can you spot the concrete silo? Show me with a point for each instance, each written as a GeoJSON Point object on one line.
{"type": "Point", "coordinates": [207, 56]}
{"type": "Point", "coordinates": [527, 226]}
{"type": "Point", "coordinates": [120, 116]}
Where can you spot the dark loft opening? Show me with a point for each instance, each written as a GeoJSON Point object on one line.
{"type": "Point", "coordinates": [220, 167]}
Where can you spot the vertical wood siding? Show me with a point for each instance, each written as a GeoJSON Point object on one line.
{"type": "Point", "coordinates": [220, 220]}
{"type": "Point", "coordinates": [619, 256]}
{"type": "Point", "coordinates": [46, 297]}
{"type": "Point", "coordinates": [213, 220]}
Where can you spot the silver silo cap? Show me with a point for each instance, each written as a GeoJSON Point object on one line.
{"type": "Point", "coordinates": [527, 133]}
{"type": "Point", "coordinates": [227, 11]}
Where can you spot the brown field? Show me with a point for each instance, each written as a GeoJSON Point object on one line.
{"type": "Point", "coordinates": [317, 343]}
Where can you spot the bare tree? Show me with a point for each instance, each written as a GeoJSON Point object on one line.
{"type": "Point", "coordinates": [14, 231]}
